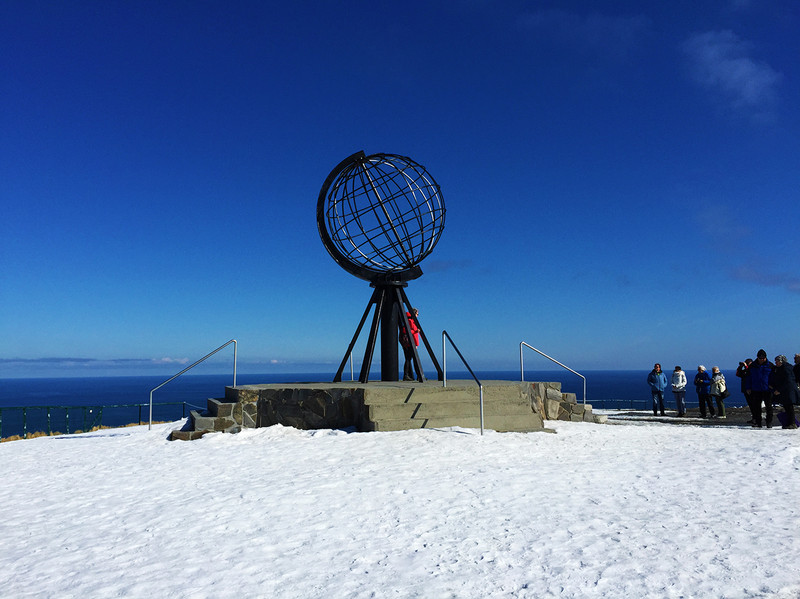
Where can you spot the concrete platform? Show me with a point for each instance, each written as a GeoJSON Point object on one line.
{"type": "Point", "coordinates": [399, 405]}
{"type": "Point", "coordinates": [388, 406]}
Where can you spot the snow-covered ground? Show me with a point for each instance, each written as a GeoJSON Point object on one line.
{"type": "Point", "coordinates": [630, 510]}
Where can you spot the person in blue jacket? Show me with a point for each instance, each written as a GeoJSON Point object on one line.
{"type": "Point", "coordinates": [658, 383]}
{"type": "Point", "coordinates": [702, 383]}
{"type": "Point", "coordinates": [756, 386]}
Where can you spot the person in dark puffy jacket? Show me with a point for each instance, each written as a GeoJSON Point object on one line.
{"type": "Point", "coordinates": [702, 383]}
{"type": "Point", "coordinates": [741, 372]}
{"type": "Point", "coordinates": [757, 389]}
{"type": "Point", "coordinates": [784, 388]}
{"type": "Point", "coordinates": [796, 370]}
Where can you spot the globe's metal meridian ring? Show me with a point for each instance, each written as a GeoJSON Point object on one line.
{"type": "Point", "coordinates": [379, 216]}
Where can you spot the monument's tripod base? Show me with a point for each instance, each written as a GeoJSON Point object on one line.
{"type": "Point", "coordinates": [390, 304]}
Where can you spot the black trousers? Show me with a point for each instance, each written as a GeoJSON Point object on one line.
{"type": "Point", "coordinates": [750, 404]}
{"type": "Point", "coordinates": [756, 397]}
{"type": "Point", "coordinates": [705, 400]}
{"type": "Point", "coordinates": [408, 365]}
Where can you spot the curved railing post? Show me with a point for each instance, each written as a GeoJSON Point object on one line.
{"type": "Point", "coordinates": [522, 369]}
{"type": "Point", "coordinates": [444, 370]}
{"type": "Point", "coordinates": [224, 345]}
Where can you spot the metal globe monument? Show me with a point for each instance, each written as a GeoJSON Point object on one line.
{"type": "Point", "coordinates": [379, 216]}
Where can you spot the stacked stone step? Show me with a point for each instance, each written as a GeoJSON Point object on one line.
{"type": "Point", "coordinates": [506, 409]}
{"type": "Point", "coordinates": [565, 406]}
{"type": "Point", "coordinates": [217, 417]}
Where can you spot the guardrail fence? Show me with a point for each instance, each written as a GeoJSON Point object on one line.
{"type": "Point", "coordinates": [29, 420]}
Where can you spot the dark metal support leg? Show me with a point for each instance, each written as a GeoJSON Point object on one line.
{"type": "Point", "coordinates": [379, 296]}
{"type": "Point", "coordinates": [338, 377]}
{"type": "Point", "coordinates": [391, 304]}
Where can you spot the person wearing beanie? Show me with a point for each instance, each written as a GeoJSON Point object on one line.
{"type": "Point", "coordinates": [702, 383]}
{"type": "Point", "coordinates": [757, 389]}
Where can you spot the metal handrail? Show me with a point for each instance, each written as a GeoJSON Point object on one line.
{"type": "Point", "coordinates": [522, 371]}
{"type": "Point", "coordinates": [224, 345]}
{"type": "Point", "coordinates": [444, 370]}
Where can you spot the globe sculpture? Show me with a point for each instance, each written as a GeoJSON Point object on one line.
{"type": "Point", "coordinates": [379, 216]}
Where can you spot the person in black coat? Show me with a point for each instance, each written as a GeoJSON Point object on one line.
{"type": "Point", "coordinates": [784, 387]}
{"type": "Point", "coordinates": [741, 372]}
{"type": "Point", "coordinates": [756, 385]}
{"type": "Point", "coordinates": [702, 383]}
{"type": "Point", "coordinates": [797, 375]}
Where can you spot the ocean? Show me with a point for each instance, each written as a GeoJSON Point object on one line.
{"type": "Point", "coordinates": [75, 403]}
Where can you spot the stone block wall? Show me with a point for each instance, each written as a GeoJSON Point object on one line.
{"type": "Point", "coordinates": [300, 408]}
{"type": "Point", "coordinates": [555, 405]}
{"type": "Point", "coordinates": [569, 409]}
{"type": "Point", "coordinates": [543, 392]}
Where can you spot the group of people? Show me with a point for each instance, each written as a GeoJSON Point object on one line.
{"type": "Point", "coordinates": [765, 382]}
{"type": "Point", "coordinates": [710, 387]}
{"type": "Point", "coordinates": [762, 382]}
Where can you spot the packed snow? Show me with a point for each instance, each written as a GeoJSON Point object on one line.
{"type": "Point", "coordinates": [625, 510]}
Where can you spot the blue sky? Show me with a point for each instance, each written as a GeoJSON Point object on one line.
{"type": "Point", "coordinates": [622, 179]}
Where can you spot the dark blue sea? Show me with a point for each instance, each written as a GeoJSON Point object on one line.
{"type": "Point", "coordinates": [75, 403]}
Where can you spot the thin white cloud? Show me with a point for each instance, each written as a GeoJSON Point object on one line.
{"type": "Point", "coordinates": [167, 360]}
{"type": "Point", "coordinates": [720, 223]}
{"type": "Point", "coordinates": [592, 31]}
{"type": "Point", "coordinates": [760, 276]}
{"type": "Point", "coordinates": [722, 63]}
{"type": "Point", "coordinates": [93, 362]}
